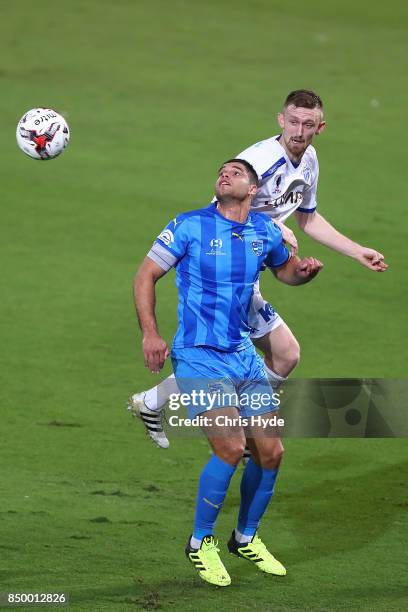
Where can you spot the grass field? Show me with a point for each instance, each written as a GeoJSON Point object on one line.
{"type": "Point", "coordinates": [157, 95]}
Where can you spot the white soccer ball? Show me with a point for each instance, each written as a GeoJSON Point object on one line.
{"type": "Point", "coordinates": [42, 133]}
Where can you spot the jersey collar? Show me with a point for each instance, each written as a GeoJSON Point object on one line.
{"type": "Point", "coordinates": [213, 208]}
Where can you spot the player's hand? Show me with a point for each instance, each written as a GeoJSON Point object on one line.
{"type": "Point", "coordinates": [371, 259]}
{"type": "Point", "coordinates": [308, 267]}
{"type": "Point", "coordinates": [289, 237]}
{"type": "Point", "coordinates": [155, 352]}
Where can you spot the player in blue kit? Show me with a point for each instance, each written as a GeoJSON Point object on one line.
{"type": "Point", "coordinates": [218, 252]}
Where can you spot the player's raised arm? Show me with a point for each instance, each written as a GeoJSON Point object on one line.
{"type": "Point", "coordinates": [288, 236]}
{"type": "Point", "coordinates": [298, 271]}
{"type": "Point", "coordinates": [290, 270]}
{"type": "Point", "coordinates": [316, 226]}
{"type": "Point", "coordinates": [155, 349]}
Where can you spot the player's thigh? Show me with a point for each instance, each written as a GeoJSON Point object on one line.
{"type": "Point", "coordinates": [205, 378]}
{"type": "Point", "coordinates": [280, 342]}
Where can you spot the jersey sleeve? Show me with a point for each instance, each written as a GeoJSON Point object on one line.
{"type": "Point", "coordinates": [278, 254]}
{"type": "Point", "coordinates": [171, 244]}
{"type": "Point", "coordinates": [255, 156]}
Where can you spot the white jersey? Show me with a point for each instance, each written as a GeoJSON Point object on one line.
{"type": "Point", "coordinates": [283, 186]}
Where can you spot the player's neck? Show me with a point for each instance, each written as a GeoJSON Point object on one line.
{"type": "Point", "coordinates": [234, 210]}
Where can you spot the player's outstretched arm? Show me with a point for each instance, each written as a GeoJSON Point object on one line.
{"type": "Point", "coordinates": [316, 226]}
{"type": "Point", "coordinates": [288, 236]}
{"type": "Point", "coordinates": [298, 271]}
{"type": "Point", "coordinates": [155, 349]}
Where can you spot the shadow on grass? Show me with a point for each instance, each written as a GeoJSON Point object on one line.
{"type": "Point", "coordinates": [345, 514]}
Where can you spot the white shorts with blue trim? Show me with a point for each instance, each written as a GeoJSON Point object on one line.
{"type": "Point", "coordinates": [262, 317]}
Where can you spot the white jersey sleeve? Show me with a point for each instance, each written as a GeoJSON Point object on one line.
{"type": "Point", "coordinates": [265, 156]}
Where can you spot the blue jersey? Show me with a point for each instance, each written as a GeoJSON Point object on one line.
{"type": "Point", "coordinates": [217, 262]}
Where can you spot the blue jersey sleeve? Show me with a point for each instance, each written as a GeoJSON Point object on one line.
{"type": "Point", "coordinates": [175, 237]}
{"type": "Point", "coordinates": [278, 254]}
{"type": "Point", "coordinates": [170, 245]}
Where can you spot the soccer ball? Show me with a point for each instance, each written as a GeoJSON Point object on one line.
{"type": "Point", "coordinates": [42, 133]}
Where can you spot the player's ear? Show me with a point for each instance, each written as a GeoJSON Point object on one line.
{"type": "Point", "coordinates": [252, 190]}
{"type": "Point", "coordinates": [320, 127]}
{"type": "Point", "coordinates": [281, 120]}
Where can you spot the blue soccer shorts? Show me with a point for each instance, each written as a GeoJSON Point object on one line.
{"type": "Point", "coordinates": [210, 379]}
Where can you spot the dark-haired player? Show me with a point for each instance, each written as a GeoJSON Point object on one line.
{"type": "Point", "coordinates": [218, 252]}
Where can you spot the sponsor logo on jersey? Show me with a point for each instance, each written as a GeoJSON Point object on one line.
{"type": "Point", "coordinates": [216, 243]}
{"type": "Point", "coordinates": [293, 197]}
{"type": "Point", "coordinates": [216, 247]}
{"type": "Point", "coordinates": [166, 236]}
{"type": "Point", "coordinates": [257, 247]}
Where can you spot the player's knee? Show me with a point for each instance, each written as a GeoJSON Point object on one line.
{"type": "Point", "coordinates": [289, 358]}
{"type": "Point", "coordinates": [278, 453]}
{"type": "Point", "coordinates": [272, 459]}
{"type": "Point", "coordinates": [294, 355]}
{"type": "Point", "coordinates": [230, 451]}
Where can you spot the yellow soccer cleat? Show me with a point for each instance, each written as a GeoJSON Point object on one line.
{"type": "Point", "coordinates": [256, 552]}
{"type": "Point", "coordinates": [207, 561]}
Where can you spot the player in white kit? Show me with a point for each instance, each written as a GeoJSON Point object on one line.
{"type": "Point", "coordinates": [288, 172]}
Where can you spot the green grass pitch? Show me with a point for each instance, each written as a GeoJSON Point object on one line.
{"type": "Point", "coordinates": [157, 95]}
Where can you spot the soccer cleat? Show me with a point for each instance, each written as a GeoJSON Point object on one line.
{"type": "Point", "coordinates": [256, 552]}
{"type": "Point", "coordinates": [153, 421]}
{"type": "Point", "coordinates": [207, 561]}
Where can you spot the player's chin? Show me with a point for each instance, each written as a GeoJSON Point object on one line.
{"type": "Point", "coordinates": [298, 146]}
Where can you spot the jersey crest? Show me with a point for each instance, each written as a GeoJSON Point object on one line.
{"type": "Point", "coordinates": [257, 247]}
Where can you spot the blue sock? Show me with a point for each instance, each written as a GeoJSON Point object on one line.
{"type": "Point", "coordinates": [213, 484]}
{"type": "Point", "coordinates": [256, 491]}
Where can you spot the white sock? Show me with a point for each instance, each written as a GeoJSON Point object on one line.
{"type": "Point", "coordinates": [242, 538]}
{"type": "Point", "coordinates": [274, 378]}
{"type": "Point", "coordinates": [156, 397]}
{"type": "Point", "coordinates": [195, 542]}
